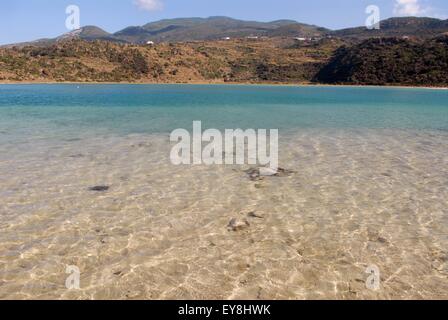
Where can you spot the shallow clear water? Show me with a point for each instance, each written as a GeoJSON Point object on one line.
{"type": "Point", "coordinates": [369, 186]}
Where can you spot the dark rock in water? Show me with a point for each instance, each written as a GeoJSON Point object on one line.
{"type": "Point", "coordinates": [238, 225]}
{"type": "Point", "coordinates": [382, 240]}
{"type": "Point", "coordinates": [284, 173]}
{"type": "Point", "coordinates": [253, 214]}
{"type": "Point", "coordinates": [76, 156]}
{"type": "Point", "coordinates": [99, 188]}
{"type": "Point", "coordinates": [141, 145]}
{"type": "Point", "coordinates": [254, 174]}
{"type": "Point", "coordinates": [257, 174]}
{"type": "Point", "coordinates": [73, 140]}
{"type": "Point", "coordinates": [374, 236]}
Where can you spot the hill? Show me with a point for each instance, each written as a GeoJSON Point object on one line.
{"type": "Point", "coordinates": [90, 33]}
{"type": "Point", "coordinates": [215, 28]}
{"type": "Point", "coordinates": [398, 27]}
{"type": "Point", "coordinates": [190, 29]}
{"type": "Point", "coordinates": [389, 61]}
{"type": "Point", "coordinates": [375, 61]}
{"type": "Point", "coordinates": [239, 60]}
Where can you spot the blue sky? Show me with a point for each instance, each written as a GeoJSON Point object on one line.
{"type": "Point", "coordinates": [24, 20]}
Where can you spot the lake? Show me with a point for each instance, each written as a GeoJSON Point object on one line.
{"type": "Point", "coordinates": [86, 180]}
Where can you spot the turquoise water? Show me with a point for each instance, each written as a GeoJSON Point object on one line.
{"type": "Point", "coordinates": [365, 184]}
{"type": "Point", "coordinates": [124, 109]}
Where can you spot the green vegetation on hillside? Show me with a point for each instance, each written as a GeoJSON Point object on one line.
{"type": "Point", "coordinates": [215, 61]}
{"type": "Point", "coordinates": [389, 61]}
{"type": "Point", "coordinates": [382, 61]}
{"type": "Point", "coordinates": [217, 28]}
{"type": "Point", "coordinates": [419, 27]}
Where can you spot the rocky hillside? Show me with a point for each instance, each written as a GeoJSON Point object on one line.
{"type": "Point", "coordinates": [377, 61]}
{"type": "Point", "coordinates": [273, 60]}
{"type": "Point", "coordinates": [418, 27]}
{"type": "Point", "coordinates": [389, 61]}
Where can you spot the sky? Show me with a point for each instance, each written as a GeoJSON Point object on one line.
{"type": "Point", "coordinates": [25, 20]}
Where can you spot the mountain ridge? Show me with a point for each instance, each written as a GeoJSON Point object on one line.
{"type": "Point", "coordinates": [413, 26]}
{"type": "Point", "coordinates": [219, 27]}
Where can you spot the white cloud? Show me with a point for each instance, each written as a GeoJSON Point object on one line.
{"type": "Point", "coordinates": [149, 5]}
{"type": "Point", "coordinates": [408, 8]}
{"type": "Point", "coordinates": [416, 8]}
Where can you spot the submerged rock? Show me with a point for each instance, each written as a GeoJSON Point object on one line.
{"type": "Point", "coordinates": [99, 188]}
{"type": "Point", "coordinates": [238, 225]}
{"type": "Point", "coordinates": [76, 156]}
{"type": "Point", "coordinates": [257, 174]}
{"type": "Point", "coordinates": [284, 172]}
{"type": "Point", "coordinates": [254, 174]}
{"type": "Point", "coordinates": [72, 139]}
{"type": "Point", "coordinates": [253, 214]}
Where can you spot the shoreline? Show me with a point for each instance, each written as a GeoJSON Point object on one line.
{"type": "Point", "coordinates": [211, 83]}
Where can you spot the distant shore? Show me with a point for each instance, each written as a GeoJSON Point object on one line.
{"type": "Point", "coordinates": [279, 84]}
